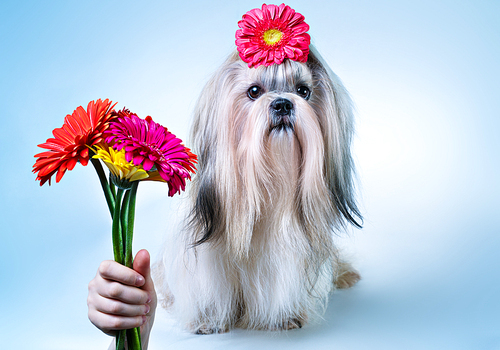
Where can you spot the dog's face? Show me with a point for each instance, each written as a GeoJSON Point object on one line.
{"type": "Point", "coordinates": [276, 133]}
{"type": "Point", "coordinates": [279, 92]}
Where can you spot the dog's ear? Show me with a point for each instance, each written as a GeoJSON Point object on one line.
{"type": "Point", "coordinates": [334, 107]}
{"type": "Point", "coordinates": [206, 216]}
{"type": "Point", "coordinates": [209, 135]}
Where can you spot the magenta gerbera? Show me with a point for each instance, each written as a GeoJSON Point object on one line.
{"type": "Point", "coordinates": [271, 34]}
{"type": "Point", "coordinates": [151, 145]}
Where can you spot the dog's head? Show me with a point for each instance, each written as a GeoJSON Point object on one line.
{"type": "Point", "coordinates": [255, 127]}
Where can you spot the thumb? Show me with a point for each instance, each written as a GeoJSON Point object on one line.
{"type": "Point", "coordinates": [142, 264]}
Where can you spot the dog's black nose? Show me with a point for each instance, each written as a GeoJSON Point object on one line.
{"type": "Point", "coordinates": [282, 106]}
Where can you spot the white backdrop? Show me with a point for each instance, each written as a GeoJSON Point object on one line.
{"type": "Point", "coordinates": [424, 76]}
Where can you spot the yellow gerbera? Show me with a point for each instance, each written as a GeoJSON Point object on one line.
{"type": "Point", "coordinates": [118, 165]}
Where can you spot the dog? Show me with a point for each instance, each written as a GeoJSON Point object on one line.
{"type": "Point", "coordinates": [275, 182]}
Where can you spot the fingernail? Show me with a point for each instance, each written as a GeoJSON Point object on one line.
{"type": "Point", "coordinates": [149, 299]}
{"type": "Point", "coordinates": [148, 308]}
{"type": "Point", "coordinates": [139, 281]}
{"type": "Point", "coordinates": [144, 319]}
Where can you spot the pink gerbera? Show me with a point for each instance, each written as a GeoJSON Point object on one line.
{"type": "Point", "coordinates": [151, 145]}
{"type": "Point", "coordinates": [271, 34]}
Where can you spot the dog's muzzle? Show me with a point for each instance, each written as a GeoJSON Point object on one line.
{"type": "Point", "coordinates": [282, 116]}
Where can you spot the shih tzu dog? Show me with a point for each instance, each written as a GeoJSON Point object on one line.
{"type": "Point", "coordinates": [272, 130]}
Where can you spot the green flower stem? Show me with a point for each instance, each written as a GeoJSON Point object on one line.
{"type": "Point", "coordinates": [124, 222]}
{"type": "Point", "coordinates": [134, 339]}
{"type": "Point", "coordinates": [108, 190]}
{"type": "Point", "coordinates": [117, 229]}
{"type": "Point", "coordinates": [129, 232]}
{"type": "Point", "coordinates": [120, 339]}
{"type": "Point", "coordinates": [111, 187]}
{"type": "Point", "coordinates": [122, 232]}
{"type": "Point", "coordinates": [121, 205]}
{"type": "Point", "coordinates": [118, 249]}
{"type": "Point", "coordinates": [133, 335]}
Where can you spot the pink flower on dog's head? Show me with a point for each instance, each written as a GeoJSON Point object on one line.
{"type": "Point", "coordinates": [271, 34]}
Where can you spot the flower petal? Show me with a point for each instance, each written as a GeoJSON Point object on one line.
{"type": "Point", "coordinates": [251, 43]}
{"type": "Point", "coordinates": [150, 146]}
{"type": "Point", "coordinates": [70, 141]}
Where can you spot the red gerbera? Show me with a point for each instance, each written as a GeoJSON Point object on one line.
{"type": "Point", "coordinates": [69, 145]}
{"type": "Point", "coordinates": [151, 145]}
{"type": "Point", "coordinates": [271, 34]}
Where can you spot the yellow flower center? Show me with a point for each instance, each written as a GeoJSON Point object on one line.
{"type": "Point", "coordinates": [272, 36]}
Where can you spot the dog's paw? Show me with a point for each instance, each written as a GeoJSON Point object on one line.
{"type": "Point", "coordinates": [347, 276]}
{"type": "Point", "coordinates": [294, 323]}
{"type": "Point", "coordinates": [205, 329]}
{"type": "Point", "coordinates": [290, 324]}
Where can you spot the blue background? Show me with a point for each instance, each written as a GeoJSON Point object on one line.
{"type": "Point", "coordinates": [425, 79]}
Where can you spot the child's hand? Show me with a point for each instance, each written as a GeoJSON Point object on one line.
{"type": "Point", "coordinates": [122, 298]}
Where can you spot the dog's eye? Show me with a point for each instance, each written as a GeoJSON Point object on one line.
{"type": "Point", "coordinates": [304, 92]}
{"type": "Point", "coordinates": [254, 92]}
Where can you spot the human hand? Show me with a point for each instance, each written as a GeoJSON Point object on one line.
{"type": "Point", "coordinates": [123, 298]}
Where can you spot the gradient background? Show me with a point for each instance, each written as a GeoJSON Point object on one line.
{"type": "Point", "coordinates": [425, 79]}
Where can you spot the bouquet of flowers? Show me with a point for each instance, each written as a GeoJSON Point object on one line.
{"type": "Point", "coordinates": [134, 150]}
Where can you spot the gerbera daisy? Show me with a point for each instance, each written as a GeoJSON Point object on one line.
{"type": "Point", "coordinates": [151, 145]}
{"type": "Point", "coordinates": [123, 172]}
{"type": "Point", "coordinates": [69, 145]}
{"type": "Point", "coordinates": [271, 34]}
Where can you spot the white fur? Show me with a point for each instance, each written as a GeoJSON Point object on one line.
{"type": "Point", "coordinates": [257, 249]}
